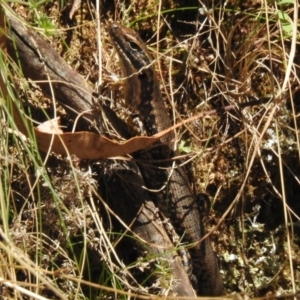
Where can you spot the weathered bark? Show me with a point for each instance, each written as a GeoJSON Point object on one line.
{"type": "Point", "coordinates": [41, 63]}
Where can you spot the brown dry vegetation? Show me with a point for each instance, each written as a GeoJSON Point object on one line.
{"type": "Point", "coordinates": [58, 238]}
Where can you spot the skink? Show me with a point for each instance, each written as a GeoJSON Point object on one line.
{"type": "Point", "coordinates": [143, 97]}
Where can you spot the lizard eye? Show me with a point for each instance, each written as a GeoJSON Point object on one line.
{"type": "Point", "coordinates": [134, 46]}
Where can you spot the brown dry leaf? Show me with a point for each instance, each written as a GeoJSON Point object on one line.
{"type": "Point", "coordinates": [88, 145]}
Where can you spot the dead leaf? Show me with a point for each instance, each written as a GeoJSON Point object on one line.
{"type": "Point", "coordinates": [88, 145]}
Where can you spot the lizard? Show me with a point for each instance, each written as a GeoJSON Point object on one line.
{"type": "Point", "coordinates": [144, 99]}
